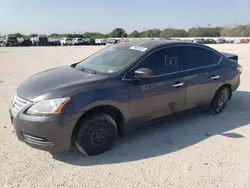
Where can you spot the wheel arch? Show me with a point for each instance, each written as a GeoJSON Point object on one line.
{"type": "Point", "coordinates": [110, 110]}
{"type": "Point", "coordinates": [229, 87]}
{"type": "Point", "coordinates": [220, 87]}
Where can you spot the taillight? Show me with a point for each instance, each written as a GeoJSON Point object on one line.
{"type": "Point", "coordinates": [239, 69]}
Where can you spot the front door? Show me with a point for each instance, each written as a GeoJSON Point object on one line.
{"type": "Point", "coordinates": [162, 94]}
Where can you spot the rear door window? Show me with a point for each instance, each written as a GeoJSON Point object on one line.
{"type": "Point", "coordinates": [215, 58]}
{"type": "Point", "coordinates": [195, 57]}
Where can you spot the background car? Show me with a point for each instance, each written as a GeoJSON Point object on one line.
{"type": "Point", "coordinates": [40, 41]}
{"type": "Point", "coordinates": [199, 41]}
{"type": "Point", "coordinates": [111, 41]}
{"type": "Point", "coordinates": [122, 41]}
{"type": "Point", "coordinates": [54, 42]}
{"type": "Point", "coordinates": [78, 41]}
{"type": "Point", "coordinates": [210, 41]}
{"type": "Point", "coordinates": [229, 41]}
{"type": "Point", "coordinates": [220, 41]}
{"type": "Point", "coordinates": [237, 41]}
{"type": "Point", "coordinates": [245, 41]}
{"type": "Point", "coordinates": [24, 41]}
{"type": "Point", "coordinates": [10, 41]}
{"type": "Point", "coordinates": [90, 41]}
{"type": "Point", "coordinates": [66, 41]}
{"type": "Point", "coordinates": [100, 41]}
{"type": "Point", "coordinates": [1, 42]}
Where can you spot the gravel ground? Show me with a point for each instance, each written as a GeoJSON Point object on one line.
{"type": "Point", "coordinates": [196, 150]}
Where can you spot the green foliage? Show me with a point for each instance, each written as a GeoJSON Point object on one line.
{"type": "Point", "coordinates": [151, 33]}
{"type": "Point", "coordinates": [170, 32]}
{"type": "Point", "coordinates": [33, 35]}
{"type": "Point", "coordinates": [204, 32]}
{"type": "Point", "coordinates": [18, 35]}
{"type": "Point", "coordinates": [236, 31]}
{"type": "Point", "coordinates": [54, 35]}
{"type": "Point", "coordinates": [124, 35]}
{"type": "Point", "coordinates": [134, 34]}
{"type": "Point", "coordinates": [93, 35]}
{"type": "Point", "coordinates": [117, 33]}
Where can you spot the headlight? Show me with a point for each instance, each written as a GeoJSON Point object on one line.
{"type": "Point", "coordinates": [48, 107]}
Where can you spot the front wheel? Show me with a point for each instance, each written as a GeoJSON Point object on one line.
{"type": "Point", "coordinates": [96, 135]}
{"type": "Point", "coordinates": [219, 101]}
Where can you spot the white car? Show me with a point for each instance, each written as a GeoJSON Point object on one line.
{"type": "Point", "coordinates": [220, 41]}
{"type": "Point", "coordinates": [237, 41]}
{"type": "Point", "coordinates": [100, 41]}
{"type": "Point", "coordinates": [78, 41]}
{"type": "Point", "coordinates": [66, 41]}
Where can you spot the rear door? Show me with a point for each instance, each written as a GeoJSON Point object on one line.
{"type": "Point", "coordinates": [201, 67]}
{"type": "Point", "coordinates": [164, 93]}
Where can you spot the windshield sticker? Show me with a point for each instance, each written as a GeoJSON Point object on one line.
{"type": "Point", "coordinates": [111, 71]}
{"type": "Point", "coordinates": [142, 49]}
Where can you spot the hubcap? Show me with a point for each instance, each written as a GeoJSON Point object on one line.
{"type": "Point", "coordinates": [99, 137]}
{"type": "Point", "coordinates": [222, 100]}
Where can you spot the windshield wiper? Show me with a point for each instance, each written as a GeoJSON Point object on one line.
{"type": "Point", "coordinates": [83, 69]}
{"type": "Point", "coordinates": [88, 70]}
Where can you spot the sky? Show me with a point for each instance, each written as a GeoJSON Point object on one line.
{"type": "Point", "coordinates": [79, 16]}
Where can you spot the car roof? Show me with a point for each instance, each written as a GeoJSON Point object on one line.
{"type": "Point", "coordinates": [155, 43]}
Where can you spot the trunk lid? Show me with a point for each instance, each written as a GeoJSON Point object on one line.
{"type": "Point", "coordinates": [231, 56]}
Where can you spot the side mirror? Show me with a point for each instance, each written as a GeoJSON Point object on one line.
{"type": "Point", "coordinates": [143, 73]}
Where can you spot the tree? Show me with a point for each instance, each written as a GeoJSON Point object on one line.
{"type": "Point", "coordinates": [124, 35]}
{"type": "Point", "coordinates": [118, 33]}
{"type": "Point", "coordinates": [33, 35]}
{"type": "Point", "coordinates": [93, 35]}
{"type": "Point", "coordinates": [18, 35]}
{"type": "Point", "coordinates": [205, 32]}
{"type": "Point", "coordinates": [170, 32]}
{"type": "Point", "coordinates": [235, 31]}
{"type": "Point", "coordinates": [134, 34]}
{"type": "Point", "coordinates": [151, 33]}
{"type": "Point", "coordinates": [156, 33]}
{"type": "Point", "coordinates": [54, 35]}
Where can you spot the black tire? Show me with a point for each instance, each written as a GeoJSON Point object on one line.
{"type": "Point", "coordinates": [96, 135]}
{"type": "Point", "coordinates": [219, 101]}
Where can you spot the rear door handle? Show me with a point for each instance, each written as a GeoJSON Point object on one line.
{"type": "Point", "coordinates": [178, 84]}
{"type": "Point", "coordinates": [215, 77]}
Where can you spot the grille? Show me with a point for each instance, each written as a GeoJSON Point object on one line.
{"type": "Point", "coordinates": [18, 103]}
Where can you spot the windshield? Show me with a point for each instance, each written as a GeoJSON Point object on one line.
{"type": "Point", "coordinates": [111, 59]}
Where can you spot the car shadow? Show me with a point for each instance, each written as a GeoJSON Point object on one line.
{"type": "Point", "coordinates": [171, 135]}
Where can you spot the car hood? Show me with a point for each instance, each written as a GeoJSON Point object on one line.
{"type": "Point", "coordinates": [57, 82]}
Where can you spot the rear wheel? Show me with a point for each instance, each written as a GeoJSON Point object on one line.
{"type": "Point", "coordinates": [96, 135]}
{"type": "Point", "coordinates": [219, 101]}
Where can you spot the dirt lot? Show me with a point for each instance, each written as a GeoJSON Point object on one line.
{"type": "Point", "coordinates": [198, 150]}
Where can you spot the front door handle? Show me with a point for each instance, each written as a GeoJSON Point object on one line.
{"type": "Point", "coordinates": [215, 77]}
{"type": "Point", "coordinates": [178, 84]}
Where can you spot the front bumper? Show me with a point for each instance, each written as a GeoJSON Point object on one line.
{"type": "Point", "coordinates": [46, 133]}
